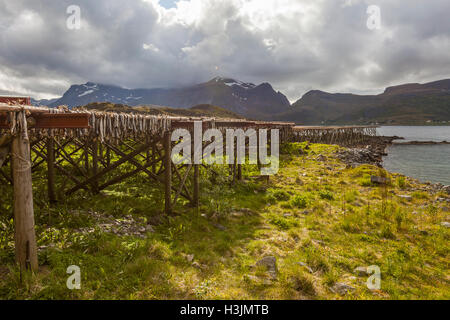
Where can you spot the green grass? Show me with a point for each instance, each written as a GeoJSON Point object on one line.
{"type": "Point", "coordinates": [332, 222]}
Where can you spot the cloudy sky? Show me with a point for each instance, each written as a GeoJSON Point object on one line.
{"type": "Point", "coordinates": [296, 45]}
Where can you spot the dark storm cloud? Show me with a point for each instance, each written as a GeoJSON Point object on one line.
{"type": "Point", "coordinates": [295, 45]}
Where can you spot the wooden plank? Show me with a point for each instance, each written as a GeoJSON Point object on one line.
{"type": "Point", "coordinates": [168, 172]}
{"type": "Point", "coordinates": [196, 200]}
{"type": "Point", "coordinates": [54, 121]}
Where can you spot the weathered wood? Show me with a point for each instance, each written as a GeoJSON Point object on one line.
{"type": "Point", "coordinates": [106, 170]}
{"type": "Point", "coordinates": [51, 170]}
{"type": "Point", "coordinates": [196, 199]}
{"type": "Point", "coordinates": [168, 172]}
{"type": "Point", "coordinates": [182, 184]}
{"type": "Point", "coordinates": [95, 164]}
{"type": "Point", "coordinates": [25, 237]}
{"type": "Point", "coordinates": [239, 172]}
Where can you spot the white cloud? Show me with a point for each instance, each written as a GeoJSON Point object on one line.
{"type": "Point", "coordinates": [296, 45]}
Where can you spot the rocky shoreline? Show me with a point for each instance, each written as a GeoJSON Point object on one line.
{"type": "Point", "coordinates": [373, 150]}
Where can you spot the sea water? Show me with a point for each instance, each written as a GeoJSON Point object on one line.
{"type": "Point", "coordinates": [423, 162]}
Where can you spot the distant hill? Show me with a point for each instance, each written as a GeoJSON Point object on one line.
{"type": "Point", "coordinates": [404, 104]}
{"type": "Point", "coordinates": [412, 103]}
{"type": "Point", "coordinates": [204, 110]}
{"type": "Point", "coordinates": [247, 99]}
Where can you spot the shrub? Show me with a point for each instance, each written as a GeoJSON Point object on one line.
{"type": "Point", "coordinates": [401, 182]}
{"type": "Point", "coordinates": [325, 194]}
{"type": "Point", "coordinates": [300, 201]}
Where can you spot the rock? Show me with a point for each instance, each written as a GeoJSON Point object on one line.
{"type": "Point", "coordinates": [405, 197]}
{"type": "Point", "coordinates": [220, 227]}
{"type": "Point", "coordinates": [287, 215]}
{"type": "Point", "coordinates": [305, 212]}
{"type": "Point", "coordinates": [445, 224]}
{"type": "Point", "coordinates": [342, 288]}
{"type": "Point", "coordinates": [446, 189]}
{"type": "Point", "coordinates": [190, 257]}
{"type": "Point", "coordinates": [329, 168]}
{"type": "Point", "coordinates": [361, 271]}
{"type": "Point", "coordinates": [149, 228]}
{"type": "Point", "coordinates": [301, 263]}
{"type": "Point", "coordinates": [270, 263]}
{"type": "Point", "coordinates": [318, 242]}
{"type": "Point", "coordinates": [379, 180]}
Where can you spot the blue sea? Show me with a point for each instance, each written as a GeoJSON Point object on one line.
{"type": "Point", "coordinates": [423, 162]}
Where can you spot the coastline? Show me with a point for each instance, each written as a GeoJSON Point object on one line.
{"type": "Point", "coordinates": [375, 148]}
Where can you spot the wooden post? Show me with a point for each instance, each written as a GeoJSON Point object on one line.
{"type": "Point", "coordinates": [167, 172]}
{"type": "Point", "coordinates": [51, 170]}
{"type": "Point", "coordinates": [95, 163]}
{"type": "Point", "coordinates": [239, 172]}
{"type": "Point", "coordinates": [86, 156]}
{"type": "Point", "coordinates": [196, 186]}
{"type": "Point", "coordinates": [24, 235]}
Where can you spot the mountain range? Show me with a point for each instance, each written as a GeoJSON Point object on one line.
{"type": "Point", "coordinates": [404, 104]}
{"type": "Point", "coordinates": [247, 99]}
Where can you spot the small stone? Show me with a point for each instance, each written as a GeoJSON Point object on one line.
{"type": "Point", "coordinates": [361, 271]}
{"type": "Point", "coordinates": [287, 215]}
{"type": "Point", "coordinates": [379, 180]}
{"type": "Point", "coordinates": [270, 263]}
{"type": "Point", "coordinates": [149, 228]}
{"type": "Point", "coordinates": [342, 288]}
{"type": "Point", "coordinates": [445, 224]}
{"type": "Point", "coordinates": [190, 257]}
{"type": "Point", "coordinates": [196, 265]}
{"type": "Point", "coordinates": [220, 227]}
{"type": "Point", "coordinates": [305, 212]}
{"type": "Point", "coordinates": [405, 197]}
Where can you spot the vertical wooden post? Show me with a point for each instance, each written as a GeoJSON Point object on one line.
{"type": "Point", "coordinates": [51, 170]}
{"type": "Point", "coordinates": [24, 235]}
{"type": "Point", "coordinates": [86, 156]}
{"type": "Point", "coordinates": [167, 141]}
{"type": "Point", "coordinates": [196, 186]}
{"type": "Point", "coordinates": [239, 172]}
{"type": "Point", "coordinates": [95, 163]}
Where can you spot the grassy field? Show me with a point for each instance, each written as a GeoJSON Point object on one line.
{"type": "Point", "coordinates": [318, 218]}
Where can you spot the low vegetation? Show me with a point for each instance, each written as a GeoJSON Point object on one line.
{"type": "Point", "coordinates": [319, 219]}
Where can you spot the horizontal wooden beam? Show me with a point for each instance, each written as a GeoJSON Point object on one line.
{"type": "Point", "coordinates": [53, 121]}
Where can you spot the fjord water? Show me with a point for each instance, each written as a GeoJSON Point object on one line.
{"type": "Point", "coordinates": [423, 162]}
